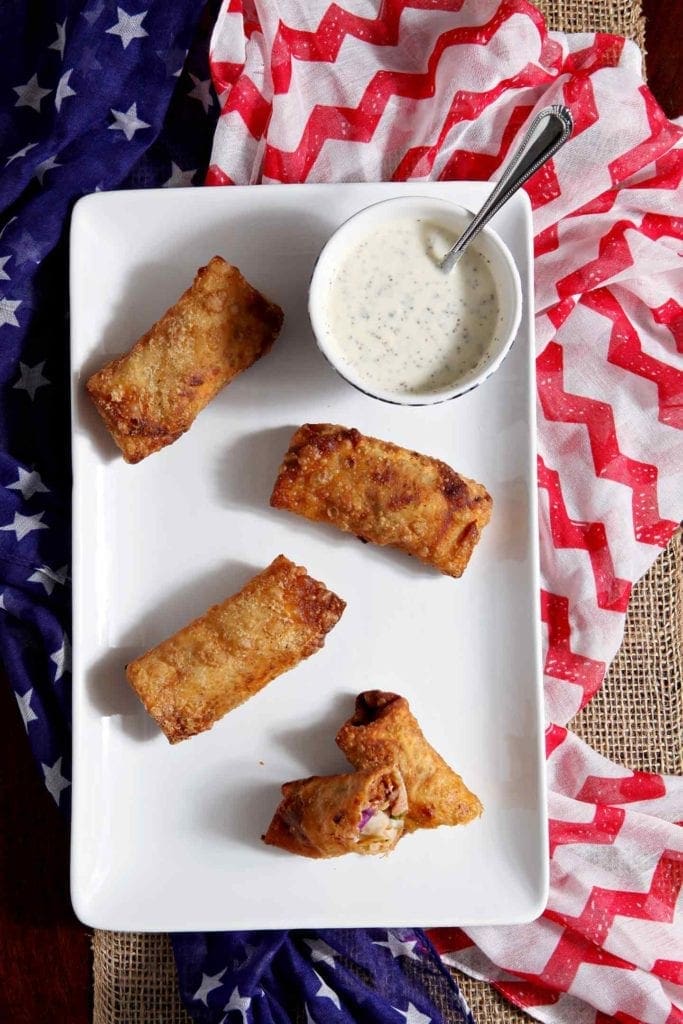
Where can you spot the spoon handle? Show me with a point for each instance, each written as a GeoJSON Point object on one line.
{"type": "Point", "coordinates": [549, 130]}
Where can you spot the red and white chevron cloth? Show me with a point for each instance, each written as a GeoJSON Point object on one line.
{"type": "Point", "coordinates": [442, 89]}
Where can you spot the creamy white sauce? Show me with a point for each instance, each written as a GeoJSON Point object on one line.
{"type": "Point", "coordinates": [399, 321]}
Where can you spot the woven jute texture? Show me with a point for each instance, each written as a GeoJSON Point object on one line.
{"type": "Point", "coordinates": [636, 719]}
{"type": "Point", "coordinates": [623, 17]}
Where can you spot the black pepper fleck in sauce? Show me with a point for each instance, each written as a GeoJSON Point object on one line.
{"type": "Point", "coordinates": [403, 324]}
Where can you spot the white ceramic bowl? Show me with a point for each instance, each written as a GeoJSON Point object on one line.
{"type": "Point", "coordinates": [453, 218]}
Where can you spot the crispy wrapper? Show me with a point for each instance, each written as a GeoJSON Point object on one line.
{"type": "Point", "coordinates": [383, 493]}
{"type": "Point", "coordinates": [326, 816]}
{"type": "Point", "coordinates": [232, 651]}
{"type": "Point", "coordinates": [383, 730]}
{"type": "Point", "coordinates": [152, 394]}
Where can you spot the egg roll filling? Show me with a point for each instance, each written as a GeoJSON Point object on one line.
{"type": "Point", "coordinates": [327, 816]}
{"type": "Point", "coordinates": [384, 816]}
{"type": "Point", "coordinates": [383, 731]}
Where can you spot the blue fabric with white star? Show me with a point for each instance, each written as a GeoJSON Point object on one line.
{"type": "Point", "coordinates": [371, 976]}
{"type": "Point", "coordinates": [92, 96]}
{"type": "Point", "coordinates": [96, 96]}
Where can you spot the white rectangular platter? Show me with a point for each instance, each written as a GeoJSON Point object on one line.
{"type": "Point", "coordinates": [168, 838]}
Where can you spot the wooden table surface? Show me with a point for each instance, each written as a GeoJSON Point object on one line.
{"type": "Point", "coordinates": [44, 952]}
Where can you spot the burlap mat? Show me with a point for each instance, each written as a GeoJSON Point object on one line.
{"type": "Point", "coordinates": [623, 17]}
{"type": "Point", "coordinates": [636, 719]}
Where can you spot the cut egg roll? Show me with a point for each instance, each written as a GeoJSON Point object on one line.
{"type": "Point", "coordinates": [327, 816]}
{"type": "Point", "coordinates": [152, 394]}
{"type": "Point", "coordinates": [383, 493]}
{"type": "Point", "coordinates": [383, 730]}
{"type": "Point", "coordinates": [189, 681]}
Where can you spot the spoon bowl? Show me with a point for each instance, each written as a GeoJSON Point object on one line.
{"type": "Point", "coordinates": [453, 219]}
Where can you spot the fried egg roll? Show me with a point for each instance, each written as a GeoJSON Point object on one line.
{"type": "Point", "coordinates": [152, 394]}
{"type": "Point", "coordinates": [231, 652]}
{"type": "Point", "coordinates": [383, 730]}
{"type": "Point", "coordinates": [383, 493]}
{"type": "Point", "coordinates": [326, 816]}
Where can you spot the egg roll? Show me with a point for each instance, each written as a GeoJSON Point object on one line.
{"type": "Point", "coordinates": [327, 816]}
{"type": "Point", "coordinates": [383, 730]}
{"type": "Point", "coordinates": [383, 493]}
{"type": "Point", "coordinates": [189, 681]}
{"type": "Point", "coordinates": [152, 394]}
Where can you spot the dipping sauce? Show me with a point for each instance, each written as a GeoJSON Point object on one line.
{"type": "Point", "coordinates": [403, 324]}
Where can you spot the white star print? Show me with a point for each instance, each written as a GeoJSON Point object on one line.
{"type": "Point", "coordinates": [47, 577]}
{"type": "Point", "coordinates": [325, 992]}
{"type": "Point", "coordinates": [25, 710]}
{"type": "Point", "coordinates": [54, 780]}
{"type": "Point", "coordinates": [7, 308]}
{"type": "Point", "coordinates": [179, 178]}
{"type": "Point", "coordinates": [31, 377]}
{"type": "Point", "coordinates": [4, 276]}
{"type": "Point", "coordinates": [29, 484]}
{"type": "Point", "coordinates": [23, 525]}
{"type": "Point", "coordinates": [60, 41]}
{"type": "Point", "coordinates": [209, 983]}
{"type": "Point", "coordinates": [398, 948]}
{"type": "Point", "coordinates": [30, 95]}
{"type": "Point", "coordinates": [321, 951]}
{"type": "Point", "coordinates": [19, 154]}
{"type": "Point", "coordinates": [201, 92]}
{"type": "Point", "coordinates": [412, 1015]}
{"type": "Point", "coordinates": [62, 658]}
{"type": "Point", "coordinates": [128, 27]}
{"type": "Point", "coordinates": [46, 165]}
{"type": "Point", "coordinates": [2, 601]}
{"type": "Point", "coordinates": [63, 90]}
{"type": "Point", "coordinates": [309, 1018]}
{"type": "Point", "coordinates": [128, 123]}
{"type": "Point", "coordinates": [239, 1003]}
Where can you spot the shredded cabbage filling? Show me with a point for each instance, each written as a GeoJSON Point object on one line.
{"type": "Point", "coordinates": [381, 822]}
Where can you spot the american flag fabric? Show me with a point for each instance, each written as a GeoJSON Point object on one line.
{"type": "Point", "coordinates": [98, 96]}
{"type": "Point", "coordinates": [85, 90]}
{"type": "Point", "coordinates": [324, 977]}
{"type": "Point", "coordinates": [443, 89]}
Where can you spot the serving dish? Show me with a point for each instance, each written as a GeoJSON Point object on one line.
{"type": "Point", "coordinates": [168, 838]}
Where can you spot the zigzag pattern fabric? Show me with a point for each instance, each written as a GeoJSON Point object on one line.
{"type": "Point", "coordinates": [443, 89]}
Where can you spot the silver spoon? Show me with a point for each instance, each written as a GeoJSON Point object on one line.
{"type": "Point", "coordinates": [549, 130]}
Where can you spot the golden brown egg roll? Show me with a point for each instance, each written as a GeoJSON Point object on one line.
{"type": "Point", "coordinates": [326, 816]}
{"type": "Point", "coordinates": [232, 651]}
{"type": "Point", "coordinates": [152, 394]}
{"type": "Point", "coordinates": [383, 730]}
{"type": "Point", "coordinates": [383, 493]}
